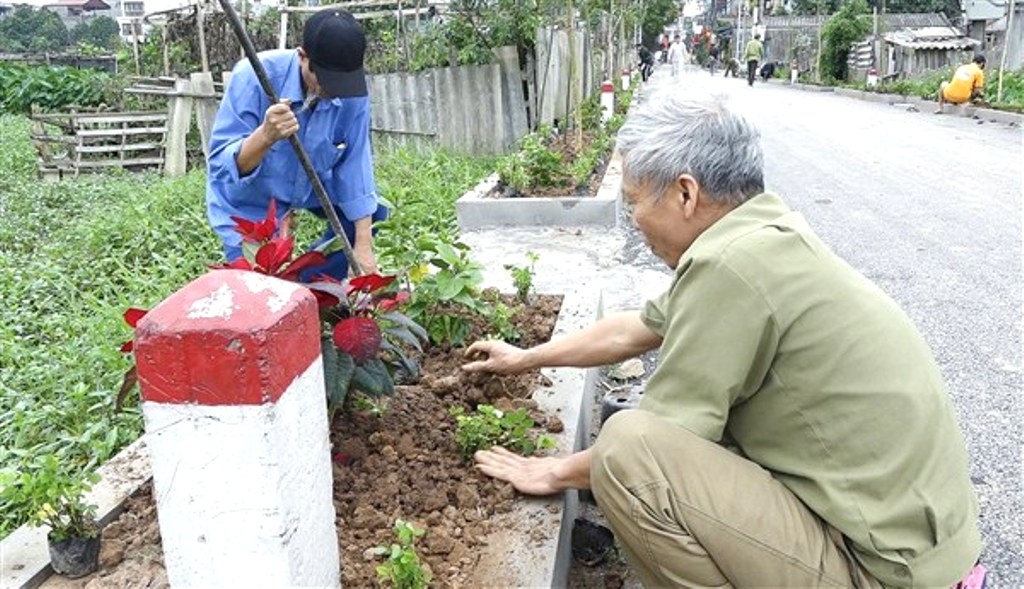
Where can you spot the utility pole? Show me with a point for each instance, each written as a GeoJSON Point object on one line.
{"type": "Point", "coordinates": [1011, 8]}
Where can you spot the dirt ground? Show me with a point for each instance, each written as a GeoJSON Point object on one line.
{"type": "Point", "coordinates": [401, 464]}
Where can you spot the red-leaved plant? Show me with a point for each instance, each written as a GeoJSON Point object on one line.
{"type": "Point", "coordinates": [364, 335]}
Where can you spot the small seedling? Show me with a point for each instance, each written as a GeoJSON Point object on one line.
{"type": "Point", "coordinates": [500, 318]}
{"type": "Point", "coordinates": [375, 407]}
{"type": "Point", "coordinates": [522, 277]}
{"type": "Point", "coordinates": [489, 427]}
{"type": "Point", "coordinates": [403, 569]}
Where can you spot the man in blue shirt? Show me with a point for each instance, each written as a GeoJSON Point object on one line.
{"type": "Point", "coordinates": [323, 99]}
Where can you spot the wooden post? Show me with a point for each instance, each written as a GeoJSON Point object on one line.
{"type": "Point", "coordinates": [206, 108]}
{"type": "Point", "coordinates": [179, 118]}
{"type": "Point", "coordinates": [203, 59]}
{"type": "Point", "coordinates": [282, 39]}
{"type": "Point", "coordinates": [167, 58]}
{"type": "Point", "coordinates": [135, 47]}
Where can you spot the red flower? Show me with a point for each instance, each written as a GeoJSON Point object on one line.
{"type": "Point", "coordinates": [131, 317]}
{"type": "Point", "coordinates": [237, 264]}
{"type": "Point", "coordinates": [306, 260]}
{"type": "Point", "coordinates": [258, 231]}
{"type": "Point", "coordinates": [390, 304]}
{"type": "Point", "coordinates": [273, 255]}
{"type": "Point", "coordinates": [358, 337]}
{"type": "Point", "coordinates": [369, 283]}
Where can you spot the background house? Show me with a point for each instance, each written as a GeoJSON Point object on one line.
{"type": "Point", "coordinates": [909, 52]}
{"type": "Point", "coordinates": [74, 12]}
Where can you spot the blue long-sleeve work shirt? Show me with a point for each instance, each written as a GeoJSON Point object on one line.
{"type": "Point", "coordinates": [335, 134]}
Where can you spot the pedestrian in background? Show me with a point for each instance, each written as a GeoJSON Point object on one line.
{"type": "Point", "coordinates": [753, 54]}
{"type": "Point", "coordinates": [713, 53]}
{"type": "Point", "coordinates": [646, 62]}
{"type": "Point", "coordinates": [676, 55]}
{"type": "Point", "coordinates": [324, 100]}
{"type": "Point", "coordinates": [968, 83]}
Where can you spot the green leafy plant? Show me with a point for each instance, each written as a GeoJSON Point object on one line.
{"type": "Point", "coordinates": [51, 497]}
{"type": "Point", "coordinates": [375, 407]}
{"type": "Point", "coordinates": [522, 277]}
{"type": "Point", "coordinates": [534, 165]}
{"type": "Point", "coordinates": [500, 318]}
{"type": "Point", "coordinates": [403, 569]}
{"type": "Point", "coordinates": [444, 301]}
{"type": "Point", "coordinates": [53, 88]}
{"type": "Point", "coordinates": [489, 426]}
{"type": "Point", "coordinates": [845, 28]}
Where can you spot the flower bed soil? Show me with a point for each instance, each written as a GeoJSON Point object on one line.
{"type": "Point", "coordinates": [404, 464]}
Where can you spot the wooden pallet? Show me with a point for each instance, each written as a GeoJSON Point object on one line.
{"type": "Point", "coordinates": [69, 144]}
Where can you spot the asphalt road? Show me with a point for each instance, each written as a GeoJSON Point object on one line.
{"type": "Point", "coordinates": [929, 207]}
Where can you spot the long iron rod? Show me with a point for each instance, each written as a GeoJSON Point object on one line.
{"type": "Point", "coordinates": [300, 151]}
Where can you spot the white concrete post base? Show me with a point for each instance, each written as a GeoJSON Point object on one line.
{"type": "Point", "coordinates": [236, 422]}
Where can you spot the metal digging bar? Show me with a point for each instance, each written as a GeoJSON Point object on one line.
{"type": "Point", "coordinates": [300, 151]}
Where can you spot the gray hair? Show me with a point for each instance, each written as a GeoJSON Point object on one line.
{"type": "Point", "coordinates": [671, 134]}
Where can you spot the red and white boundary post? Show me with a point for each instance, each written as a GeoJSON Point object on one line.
{"type": "Point", "coordinates": [607, 101]}
{"type": "Point", "coordinates": [236, 422]}
{"type": "Point", "coordinates": [626, 77]}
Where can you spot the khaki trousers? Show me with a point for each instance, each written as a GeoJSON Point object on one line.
{"type": "Point", "coordinates": [689, 513]}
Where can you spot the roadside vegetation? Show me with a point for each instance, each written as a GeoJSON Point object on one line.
{"type": "Point", "coordinates": [75, 254]}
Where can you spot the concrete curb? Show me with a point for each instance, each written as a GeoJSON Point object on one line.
{"type": "Point", "coordinates": [920, 104]}
{"type": "Point", "coordinates": [476, 210]}
{"type": "Point", "coordinates": [541, 558]}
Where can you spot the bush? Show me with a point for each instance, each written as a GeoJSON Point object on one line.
{"type": "Point", "coordinates": [845, 28]}
{"type": "Point", "coordinates": [55, 88]}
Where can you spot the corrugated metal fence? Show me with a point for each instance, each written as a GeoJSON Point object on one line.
{"type": "Point", "coordinates": [484, 109]}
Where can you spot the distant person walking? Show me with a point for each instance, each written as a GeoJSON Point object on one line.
{"type": "Point", "coordinates": [713, 52]}
{"type": "Point", "coordinates": [646, 62]}
{"type": "Point", "coordinates": [968, 83]}
{"type": "Point", "coordinates": [676, 55]}
{"type": "Point", "coordinates": [753, 54]}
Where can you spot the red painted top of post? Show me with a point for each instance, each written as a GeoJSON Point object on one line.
{"type": "Point", "coordinates": [607, 86]}
{"type": "Point", "coordinates": [230, 337]}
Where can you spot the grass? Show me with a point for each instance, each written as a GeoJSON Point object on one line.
{"type": "Point", "coordinates": [927, 85]}
{"type": "Point", "coordinates": [75, 254]}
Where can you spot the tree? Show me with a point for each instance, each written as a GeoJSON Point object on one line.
{"type": "Point", "coordinates": [825, 7]}
{"type": "Point", "coordinates": [845, 28]}
{"type": "Point", "coordinates": [100, 31]}
{"type": "Point", "coordinates": [28, 29]}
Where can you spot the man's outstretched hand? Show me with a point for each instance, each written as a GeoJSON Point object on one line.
{"type": "Point", "coordinates": [535, 475]}
{"type": "Point", "coordinates": [531, 476]}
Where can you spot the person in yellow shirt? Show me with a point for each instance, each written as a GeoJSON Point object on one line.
{"type": "Point", "coordinates": [968, 83]}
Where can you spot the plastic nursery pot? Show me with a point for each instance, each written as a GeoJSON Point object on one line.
{"type": "Point", "coordinates": [591, 543]}
{"type": "Point", "coordinates": [75, 557]}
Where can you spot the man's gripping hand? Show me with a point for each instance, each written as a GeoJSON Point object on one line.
{"type": "Point", "coordinates": [495, 356]}
{"type": "Point", "coordinates": [279, 122]}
